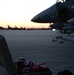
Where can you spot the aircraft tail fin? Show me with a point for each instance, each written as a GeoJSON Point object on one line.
{"type": "Point", "coordinates": [5, 57]}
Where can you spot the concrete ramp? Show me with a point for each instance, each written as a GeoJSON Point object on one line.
{"type": "Point", "coordinates": [61, 39]}
{"type": "Point", "coordinates": [5, 57]}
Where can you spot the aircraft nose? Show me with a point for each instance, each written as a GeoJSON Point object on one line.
{"type": "Point", "coordinates": [36, 19]}
{"type": "Point", "coordinates": [40, 19]}
{"type": "Point", "coordinates": [46, 16]}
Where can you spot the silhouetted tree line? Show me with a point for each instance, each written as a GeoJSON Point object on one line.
{"type": "Point", "coordinates": [21, 28]}
{"type": "Point", "coordinates": [15, 28]}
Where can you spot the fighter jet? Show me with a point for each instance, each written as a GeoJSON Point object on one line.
{"type": "Point", "coordinates": [59, 14]}
{"type": "Point", "coordinates": [64, 11]}
{"type": "Point", "coordinates": [66, 28]}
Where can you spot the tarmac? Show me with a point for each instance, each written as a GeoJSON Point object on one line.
{"type": "Point", "coordinates": [37, 46]}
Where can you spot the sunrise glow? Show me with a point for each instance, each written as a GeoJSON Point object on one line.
{"type": "Point", "coordinates": [20, 12]}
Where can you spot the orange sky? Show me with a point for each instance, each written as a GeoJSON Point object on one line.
{"type": "Point", "coordinates": [20, 12]}
{"type": "Point", "coordinates": [27, 24]}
